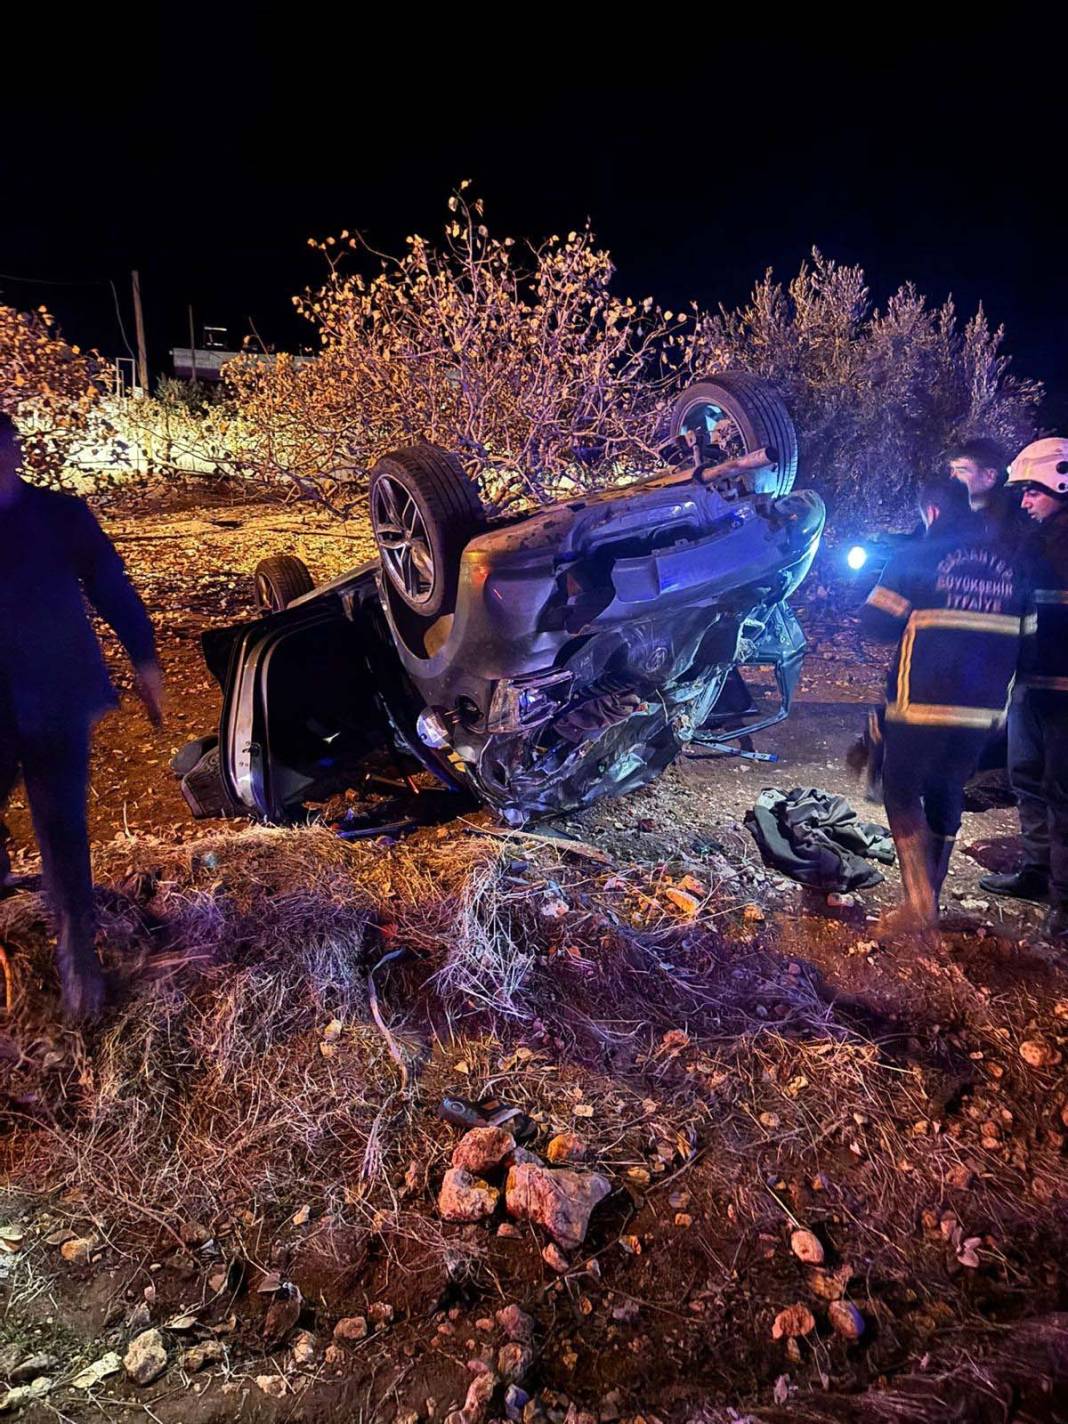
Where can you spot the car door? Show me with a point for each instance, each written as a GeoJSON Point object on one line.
{"type": "Point", "coordinates": [300, 711]}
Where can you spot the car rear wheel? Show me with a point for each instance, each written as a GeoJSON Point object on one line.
{"type": "Point", "coordinates": [424, 511]}
{"type": "Point", "coordinates": [279, 580]}
{"type": "Point", "coordinates": [741, 413]}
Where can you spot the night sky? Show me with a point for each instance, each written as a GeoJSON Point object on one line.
{"type": "Point", "coordinates": [208, 151]}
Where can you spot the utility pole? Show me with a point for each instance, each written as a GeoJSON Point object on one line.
{"type": "Point", "coordinates": [142, 357]}
{"type": "Point", "coordinates": [192, 345]}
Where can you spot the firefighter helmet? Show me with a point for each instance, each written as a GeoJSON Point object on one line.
{"type": "Point", "coordinates": [1044, 464]}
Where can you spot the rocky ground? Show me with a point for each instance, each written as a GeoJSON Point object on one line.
{"type": "Point", "coordinates": [772, 1168]}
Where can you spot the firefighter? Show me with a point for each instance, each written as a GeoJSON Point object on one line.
{"type": "Point", "coordinates": [957, 604]}
{"type": "Point", "coordinates": [53, 687]}
{"type": "Point", "coordinates": [1038, 717]}
{"type": "Point", "coordinates": [981, 465]}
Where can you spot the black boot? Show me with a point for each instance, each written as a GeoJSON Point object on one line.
{"type": "Point", "coordinates": [1030, 883]}
{"type": "Point", "coordinates": [940, 850]}
{"type": "Point", "coordinates": [917, 917]}
{"type": "Point", "coordinates": [84, 988]}
{"type": "Point", "coordinates": [81, 976]}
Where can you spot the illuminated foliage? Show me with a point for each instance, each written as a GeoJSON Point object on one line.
{"type": "Point", "coordinates": [877, 394]}
{"type": "Point", "coordinates": [519, 359]}
{"type": "Point", "coordinates": [49, 387]}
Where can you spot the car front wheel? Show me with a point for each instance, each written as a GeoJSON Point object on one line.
{"type": "Point", "coordinates": [279, 580]}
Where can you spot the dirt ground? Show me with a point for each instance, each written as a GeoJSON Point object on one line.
{"type": "Point", "coordinates": [698, 1052]}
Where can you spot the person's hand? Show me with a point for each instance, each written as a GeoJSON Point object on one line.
{"type": "Point", "coordinates": [148, 683]}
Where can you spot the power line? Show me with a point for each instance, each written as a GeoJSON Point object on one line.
{"type": "Point", "coordinates": [80, 282]}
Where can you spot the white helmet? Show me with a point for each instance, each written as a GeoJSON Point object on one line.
{"type": "Point", "coordinates": [1045, 463]}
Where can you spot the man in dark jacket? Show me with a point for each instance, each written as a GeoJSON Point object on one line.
{"type": "Point", "coordinates": [958, 606]}
{"type": "Point", "coordinates": [54, 687]}
{"type": "Point", "coordinates": [981, 466]}
{"type": "Point", "coordinates": [1038, 718]}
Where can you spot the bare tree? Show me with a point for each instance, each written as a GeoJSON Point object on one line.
{"type": "Point", "coordinates": [520, 360]}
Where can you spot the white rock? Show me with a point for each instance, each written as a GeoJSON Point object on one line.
{"type": "Point", "coordinates": [108, 1364]}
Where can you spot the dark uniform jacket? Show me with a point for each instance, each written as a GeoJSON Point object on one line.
{"type": "Point", "coordinates": [1045, 658]}
{"type": "Point", "coordinates": [52, 551]}
{"type": "Point", "coordinates": [1004, 518]}
{"type": "Point", "coordinates": [961, 606]}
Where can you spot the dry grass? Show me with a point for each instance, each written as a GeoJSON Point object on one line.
{"type": "Point", "coordinates": [245, 1074]}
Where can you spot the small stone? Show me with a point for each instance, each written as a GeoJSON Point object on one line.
{"type": "Point", "coordinates": [25, 1394]}
{"type": "Point", "coordinates": [509, 1231]}
{"type": "Point", "coordinates": [566, 1147]}
{"type": "Point", "coordinates": [555, 1259]}
{"type": "Point", "coordinates": [1038, 1053]}
{"type": "Point", "coordinates": [479, 1394]}
{"type": "Point", "coordinates": [846, 1319]}
{"type": "Point", "coordinates": [199, 1357]}
{"type": "Point", "coordinates": [78, 1250]}
{"type": "Point", "coordinates": [829, 1285]}
{"type": "Point", "coordinates": [33, 1366]}
{"type": "Point", "coordinates": [561, 1201]}
{"type": "Point", "coordinates": [516, 1324]}
{"type": "Point", "coordinates": [351, 1327]}
{"type": "Point", "coordinates": [464, 1197]}
{"type": "Point", "coordinates": [304, 1348]}
{"type": "Point", "coordinates": [140, 1318]}
{"type": "Point", "coordinates": [406, 1416]}
{"type": "Point", "coordinates": [483, 1149]}
{"type": "Point", "coordinates": [273, 1386]}
{"type": "Point", "coordinates": [334, 1357]}
{"type": "Point", "coordinates": [807, 1247]}
{"type": "Point", "coordinates": [146, 1358]}
{"type": "Point", "coordinates": [794, 1320]}
{"type": "Point", "coordinates": [11, 1238]}
{"type": "Point", "coordinates": [10, 1355]}
{"type": "Point", "coordinates": [380, 1314]}
{"type": "Point", "coordinates": [514, 1362]}
{"type": "Point", "coordinates": [684, 902]}
{"type": "Point", "coordinates": [108, 1364]}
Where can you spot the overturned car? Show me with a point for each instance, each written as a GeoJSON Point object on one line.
{"type": "Point", "coordinates": [539, 661]}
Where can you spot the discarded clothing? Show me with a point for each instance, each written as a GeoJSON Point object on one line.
{"type": "Point", "coordinates": [817, 838]}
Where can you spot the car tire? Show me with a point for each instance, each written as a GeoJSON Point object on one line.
{"type": "Point", "coordinates": [424, 512]}
{"type": "Point", "coordinates": [279, 580]}
{"type": "Point", "coordinates": [759, 415]}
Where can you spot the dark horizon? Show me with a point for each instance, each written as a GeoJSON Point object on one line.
{"type": "Point", "coordinates": [923, 170]}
